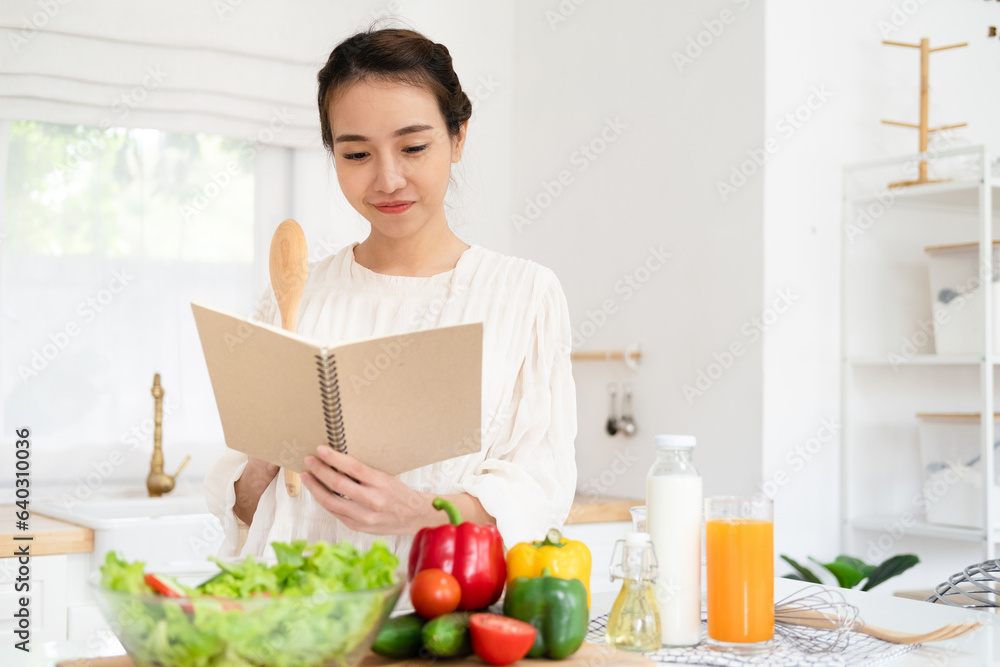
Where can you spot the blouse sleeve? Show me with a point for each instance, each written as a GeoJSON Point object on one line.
{"type": "Point", "coordinates": [220, 482]}
{"type": "Point", "coordinates": [528, 478]}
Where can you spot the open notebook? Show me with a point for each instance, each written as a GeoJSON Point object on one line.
{"type": "Point", "coordinates": [395, 403]}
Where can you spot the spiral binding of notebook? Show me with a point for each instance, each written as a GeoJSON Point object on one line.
{"type": "Point", "coordinates": [333, 414]}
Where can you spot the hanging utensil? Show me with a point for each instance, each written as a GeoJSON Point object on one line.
{"type": "Point", "coordinates": [289, 267]}
{"type": "Point", "coordinates": [626, 423]}
{"type": "Point", "coordinates": [612, 423]}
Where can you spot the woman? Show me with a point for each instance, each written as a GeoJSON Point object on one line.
{"type": "Point", "coordinates": [394, 117]}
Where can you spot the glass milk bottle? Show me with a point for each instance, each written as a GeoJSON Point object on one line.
{"type": "Point", "coordinates": [673, 521]}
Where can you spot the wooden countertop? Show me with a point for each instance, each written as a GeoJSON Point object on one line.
{"type": "Point", "coordinates": [588, 508]}
{"type": "Point", "coordinates": [51, 536]}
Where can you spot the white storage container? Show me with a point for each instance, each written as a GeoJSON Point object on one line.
{"type": "Point", "coordinates": [957, 297]}
{"type": "Point", "coordinates": [950, 455]}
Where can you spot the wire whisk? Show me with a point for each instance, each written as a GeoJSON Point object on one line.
{"type": "Point", "coordinates": [977, 586]}
{"type": "Point", "coordinates": [840, 616]}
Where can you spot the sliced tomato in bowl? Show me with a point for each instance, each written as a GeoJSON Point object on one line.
{"type": "Point", "coordinates": [163, 586]}
{"type": "Point", "coordinates": [500, 640]}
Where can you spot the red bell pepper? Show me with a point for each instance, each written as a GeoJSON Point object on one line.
{"type": "Point", "coordinates": [473, 554]}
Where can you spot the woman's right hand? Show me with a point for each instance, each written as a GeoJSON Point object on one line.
{"type": "Point", "coordinates": [250, 486]}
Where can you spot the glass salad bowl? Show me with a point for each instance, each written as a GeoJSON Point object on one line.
{"type": "Point", "coordinates": [321, 630]}
{"type": "Point", "coordinates": [319, 606]}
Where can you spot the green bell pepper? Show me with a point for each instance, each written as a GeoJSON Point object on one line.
{"type": "Point", "coordinates": [556, 607]}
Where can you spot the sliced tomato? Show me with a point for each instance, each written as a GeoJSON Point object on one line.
{"type": "Point", "coordinates": [500, 640]}
{"type": "Point", "coordinates": [163, 587]}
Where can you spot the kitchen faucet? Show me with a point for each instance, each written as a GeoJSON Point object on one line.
{"type": "Point", "coordinates": [158, 482]}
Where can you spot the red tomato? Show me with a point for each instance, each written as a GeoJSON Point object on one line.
{"type": "Point", "coordinates": [434, 592]}
{"type": "Point", "coordinates": [500, 640]}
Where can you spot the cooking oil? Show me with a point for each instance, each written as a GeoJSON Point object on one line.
{"type": "Point", "coordinates": [634, 621]}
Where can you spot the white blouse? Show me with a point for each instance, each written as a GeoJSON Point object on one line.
{"type": "Point", "coordinates": [525, 473]}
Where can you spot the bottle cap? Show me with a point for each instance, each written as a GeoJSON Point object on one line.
{"type": "Point", "coordinates": [637, 539]}
{"type": "Point", "coordinates": [673, 441]}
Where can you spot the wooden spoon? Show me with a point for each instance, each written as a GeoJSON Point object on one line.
{"type": "Point", "coordinates": [815, 619]}
{"type": "Point", "coordinates": [289, 266]}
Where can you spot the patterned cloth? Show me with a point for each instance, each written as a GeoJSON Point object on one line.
{"type": "Point", "coordinates": [861, 651]}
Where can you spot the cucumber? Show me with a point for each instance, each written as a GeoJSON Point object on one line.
{"type": "Point", "coordinates": [400, 637]}
{"type": "Point", "coordinates": [447, 636]}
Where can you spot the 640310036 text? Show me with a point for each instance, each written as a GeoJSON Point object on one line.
{"type": "Point", "coordinates": [22, 549]}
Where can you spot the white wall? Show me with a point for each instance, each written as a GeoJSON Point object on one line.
{"type": "Point", "coordinates": [838, 46]}
{"type": "Point", "coordinates": [652, 186]}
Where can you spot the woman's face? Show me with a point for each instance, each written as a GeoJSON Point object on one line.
{"type": "Point", "coordinates": [393, 156]}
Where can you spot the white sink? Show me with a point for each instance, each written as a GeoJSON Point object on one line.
{"type": "Point", "coordinates": [110, 513]}
{"type": "Point", "coordinates": [171, 529]}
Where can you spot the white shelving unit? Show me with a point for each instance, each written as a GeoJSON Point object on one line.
{"type": "Point", "coordinates": [889, 369]}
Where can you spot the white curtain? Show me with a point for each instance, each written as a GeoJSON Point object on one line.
{"type": "Point", "coordinates": [185, 66]}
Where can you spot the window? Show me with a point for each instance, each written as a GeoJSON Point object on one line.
{"type": "Point", "coordinates": [107, 237]}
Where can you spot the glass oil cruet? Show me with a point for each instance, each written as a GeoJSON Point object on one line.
{"type": "Point", "coordinates": [634, 621]}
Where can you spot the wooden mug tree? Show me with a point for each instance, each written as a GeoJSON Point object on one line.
{"type": "Point", "coordinates": [925, 61]}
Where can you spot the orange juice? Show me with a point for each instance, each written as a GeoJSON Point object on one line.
{"type": "Point", "coordinates": [740, 564]}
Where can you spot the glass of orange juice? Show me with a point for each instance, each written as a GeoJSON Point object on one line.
{"type": "Point", "coordinates": [739, 545]}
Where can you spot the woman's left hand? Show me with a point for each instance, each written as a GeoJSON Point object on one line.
{"type": "Point", "coordinates": [374, 502]}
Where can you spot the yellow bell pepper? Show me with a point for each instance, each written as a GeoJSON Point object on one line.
{"type": "Point", "coordinates": [566, 559]}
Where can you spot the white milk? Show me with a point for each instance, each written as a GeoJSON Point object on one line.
{"type": "Point", "coordinates": [674, 509]}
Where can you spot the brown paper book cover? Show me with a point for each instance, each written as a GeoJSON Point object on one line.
{"type": "Point", "coordinates": [395, 403]}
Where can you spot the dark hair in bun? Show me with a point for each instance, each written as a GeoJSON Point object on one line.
{"type": "Point", "coordinates": [393, 55]}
